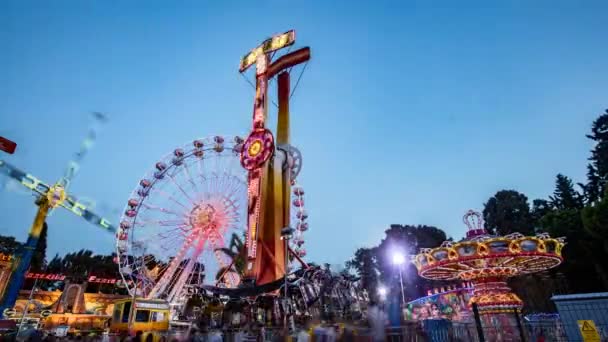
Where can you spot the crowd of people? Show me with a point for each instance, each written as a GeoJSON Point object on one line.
{"type": "Point", "coordinates": [252, 332]}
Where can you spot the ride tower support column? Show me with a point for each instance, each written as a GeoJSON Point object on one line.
{"type": "Point", "coordinates": [277, 195]}
{"type": "Point", "coordinates": [284, 90]}
{"type": "Point", "coordinates": [22, 265]}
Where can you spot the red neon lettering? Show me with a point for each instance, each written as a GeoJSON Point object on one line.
{"type": "Point", "coordinates": [47, 276]}
{"type": "Point", "coordinates": [94, 279]}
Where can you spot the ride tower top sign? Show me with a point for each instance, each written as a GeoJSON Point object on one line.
{"type": "Point", "coordinates": [269, 45]}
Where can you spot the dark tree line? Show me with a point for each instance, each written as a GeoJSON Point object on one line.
{"type": "Point", "coordinates": [10, 246]}
{"type": "Point", "coordinates": [374, 265]}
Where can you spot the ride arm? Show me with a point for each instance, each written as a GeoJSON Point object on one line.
{"type": "Point", "coordinates": [71, 203]}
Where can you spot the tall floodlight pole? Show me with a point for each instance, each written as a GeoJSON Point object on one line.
{"type": "Point", "coordinates": [49, 197]}
{"type": "Point", "coordinates": [399, 261]}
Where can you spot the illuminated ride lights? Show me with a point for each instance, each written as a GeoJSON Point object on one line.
{"type": "Point", "coordinates": [272, 170]}
{"type": "Point", "coordinates": [488, 261]}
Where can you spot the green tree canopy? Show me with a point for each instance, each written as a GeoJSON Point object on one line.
{"type": "Point", "coordinates": [508, 211]}
{"type": "Point", "coordinates": [564, 195]}
{"type": "Point", "coordinates": [9, 246]}
{"type": "Point", "coordinates": [597, 171]}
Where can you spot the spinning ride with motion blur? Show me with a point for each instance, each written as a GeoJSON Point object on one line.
{"type": "Point", "coordinates": [180, 232]}
{"type": "Point", "coordinates": [48, 198]}
{"type": "Point", "coordinates": [487, 262]}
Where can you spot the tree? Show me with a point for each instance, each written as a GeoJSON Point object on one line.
{"type": "Point", "coordinates": [592, 189]}
{"type": "Point", "coordinates": [40, 252]}
{"type": "Point", "coordinates": [583, 266]}
{"type": "Point", "coordinates": [540, 208]}
{"type": "Point", "coordinates": [508, 212]}
{"type": "Point", "coordinates": [365, 265]}
{"type": "Point", "coordinates": [597, 171]}
{"type": "Point", "coordinates": [564, 196]}
{"type": "Point", "coordinates": [595, 221]}
{"type": "Point", "coordinates": [77, 265]}
{"type": "Point", "coordinates": [9, 246]}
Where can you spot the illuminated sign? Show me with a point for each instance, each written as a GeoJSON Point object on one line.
{"type": "Point", "coordinates": [158, 306]}
{"type": "Point", "coordinates": [269, 45]}
{"type": "Point", "coordinates": [5, 257]}
{"type": "Point", "coordinates": [94, 279]}
{"type": "Point", "coordinates": [45, 276]}
{"type": "Point", "coordinates": [61, 277]}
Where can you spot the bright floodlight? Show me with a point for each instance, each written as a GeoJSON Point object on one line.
{"type": "Point", "coordinates": [382, 291]}
{"type": "Point", "coordinates": [398, 259]}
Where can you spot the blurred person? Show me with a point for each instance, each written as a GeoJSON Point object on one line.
{"type": "Point", "coordinates": [251, 334]}
{"type": "Point", "coordinates": [348, 335]}
{"type": "Point", "coordinates": [302, 334]}
{"type": "Point", "coordinates": [377, 321]}
{"type": "Point", "coordinates": [138, 336]}
{"type": "Point", "coordinates": [215, 336]}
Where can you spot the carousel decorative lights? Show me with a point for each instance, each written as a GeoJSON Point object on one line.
{"type": "Point", "coordinates": [488, 261]}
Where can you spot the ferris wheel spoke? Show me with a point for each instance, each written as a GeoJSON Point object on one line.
{"type": "Point", "coordinates": [166, 239]}
{"type": "Point", "coordinates": [230, 187]}
{"type": "Point", "coordinates": [170, 198]}
{"type": "Point", "coordinates": [161, 285]}
{"type": "Point", "coordinates": [169, 235]}
{"type": "Point", "coordinates": [160, 223]}
{"type": "Point", "coordinates": [162, 210]}
{"type": "Point", "coordinates": [233, 190]}
{"type": "Point", "coordinates": [187, 270]}
{"type": "Point", "coordinates": [229, 202]}
{"type": "Point", "coordinates": [190, 179]}
{"type": "Point", "coordinates": [199, 166]}
{"type": "Point", "coordinates": [181, 189]}
{"type": "Point", "coordinates": [213, 184]}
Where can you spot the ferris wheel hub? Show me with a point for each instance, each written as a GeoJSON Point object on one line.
{"type": "Point", "coordinates": [202, 216]}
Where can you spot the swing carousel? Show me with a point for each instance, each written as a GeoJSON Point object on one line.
{"type": "Point", "coordinates": [487, 261]}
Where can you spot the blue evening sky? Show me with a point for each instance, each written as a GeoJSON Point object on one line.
{"type": "Point", "coordinates": [409, 112]}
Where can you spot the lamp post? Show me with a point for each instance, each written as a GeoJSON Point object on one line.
{"type": "Point", "coordinates": [286, 234]}
{"type": "Point", "coordinates": [399, 260]}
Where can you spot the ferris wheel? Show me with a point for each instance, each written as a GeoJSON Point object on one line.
{"type": "Point", "coordinates": [180, 222]}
